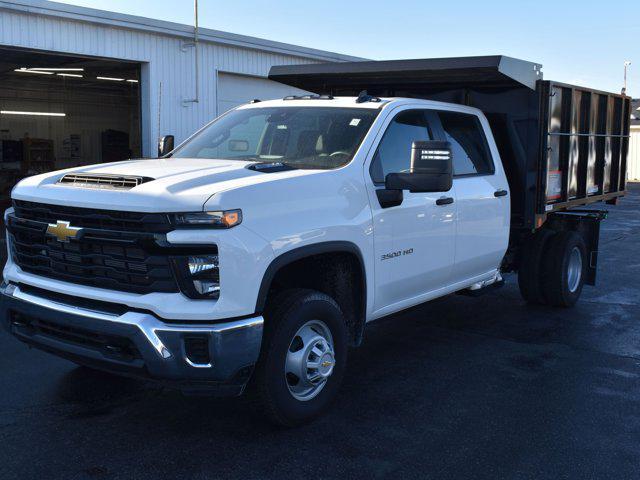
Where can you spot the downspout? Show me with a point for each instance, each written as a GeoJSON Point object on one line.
{"type": "Point", "coordinates": [196, 99]}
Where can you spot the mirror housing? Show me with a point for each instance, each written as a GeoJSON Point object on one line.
{"type": "Point", "coordinates": [165, 145]}
{"type": "Point", "coordinates": [431, 169]}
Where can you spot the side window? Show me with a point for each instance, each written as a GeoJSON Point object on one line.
{"type": "Point", "coordinates": [394, 152]}
{"type": "Point", "coordinates": [471, 155]}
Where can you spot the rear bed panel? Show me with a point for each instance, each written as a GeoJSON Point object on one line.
{"type": "Point", "coordinates": [585, 134]}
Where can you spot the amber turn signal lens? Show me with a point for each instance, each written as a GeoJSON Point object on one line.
{"type": "Point", "coordinates": [231, 218]}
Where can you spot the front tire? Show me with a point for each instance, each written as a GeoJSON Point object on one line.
{"type": "Point", "coordinates": [303, 357]}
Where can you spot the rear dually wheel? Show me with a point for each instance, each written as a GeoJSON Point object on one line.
{"type": "Point", "coordinates": [564, 269]}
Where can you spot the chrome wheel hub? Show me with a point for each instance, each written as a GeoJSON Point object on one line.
{"type": "Point", "coordinates": [574, 269]}
{"type": "Point", "coordinates": [310, 360]}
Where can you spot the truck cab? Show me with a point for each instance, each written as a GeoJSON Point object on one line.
{"type": "Point", "coordinates": [252, 256]}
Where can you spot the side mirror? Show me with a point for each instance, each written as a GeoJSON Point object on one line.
{"type": "Point", "coordinates": [165, 145]}
{"type": "Point", "coordinates": [431, 169]}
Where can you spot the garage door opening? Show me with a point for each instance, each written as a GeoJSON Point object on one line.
{"type": "Point", "coordinates": [64, 111]}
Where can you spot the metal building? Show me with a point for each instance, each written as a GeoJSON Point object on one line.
{"type": "Point", "coordinates": [634, 144]}
{"type": "Point", "coordinates": [84, 86]}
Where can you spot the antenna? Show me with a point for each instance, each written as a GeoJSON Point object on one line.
{"type": "Point", "coordinates": [627, 64]}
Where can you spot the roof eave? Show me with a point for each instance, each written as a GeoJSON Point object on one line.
{"type": "Point", "coordinates": [133, 22]}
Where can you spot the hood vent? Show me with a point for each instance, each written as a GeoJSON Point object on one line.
{"type": "Point", "coordinates": [270, 167]}
{"type": "Point", "coordinates": [87, 180]}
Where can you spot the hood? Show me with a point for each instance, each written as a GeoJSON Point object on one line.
{"type": "Point", "coordinates": [173, 185]}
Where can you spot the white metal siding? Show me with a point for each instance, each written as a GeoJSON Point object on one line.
{"type": "Point", "coordinates": [164, 60]}
{"type": "Point", "coordinates": [234, 90]}
{"type": "Point", "coordinates": [634, 155]}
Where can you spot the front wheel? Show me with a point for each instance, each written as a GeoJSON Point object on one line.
{"type": "Point", "coordinates": [303, 357]}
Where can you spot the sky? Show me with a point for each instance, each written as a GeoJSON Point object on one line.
{"type": "Point", "coordinates": [579, 42]}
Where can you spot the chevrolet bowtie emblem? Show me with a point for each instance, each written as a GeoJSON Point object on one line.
{"type": "Point", "coordinates": [327, 363]}
{"type": "Point", "coordinates": [63, 231]}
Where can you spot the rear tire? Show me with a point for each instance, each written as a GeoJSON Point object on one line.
{"type": "Point", "coordinates": [530, 271]}
{"type": "Point", "coordinates": [306, 334]}
{"type": "Point", "coordinates": [564, 269]}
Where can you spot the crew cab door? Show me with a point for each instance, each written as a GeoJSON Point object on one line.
{"type": "Point", "coordinates": [482, 196]}
{"type": "Point", "coordinates": [414, 242]}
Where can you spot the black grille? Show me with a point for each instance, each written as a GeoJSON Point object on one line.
{"type": "Point", "coordinates": [93, 218]}
{"type": "Point", "coordinates": [111, 345]}
{"type": "Point", "coordinates": [114, 260]}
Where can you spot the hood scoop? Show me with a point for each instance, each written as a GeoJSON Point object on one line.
{"type": "Point", "coordinates": [117, 182]}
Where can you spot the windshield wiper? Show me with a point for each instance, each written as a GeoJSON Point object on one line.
{"type": "Point", "coordinates": [245, 158]}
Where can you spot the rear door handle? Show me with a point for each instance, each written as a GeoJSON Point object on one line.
{"type": "Point", "coordinates": [444, 201]}
{"type": "Point", "coordinates": [500, 193]}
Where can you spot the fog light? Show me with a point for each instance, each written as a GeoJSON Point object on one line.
{"type": "Point", "coordinates": [201, 264]}
{"type": "Point", "coordinates": [207, 288]}
{"type": "Point", "coordinates": [205, 275]}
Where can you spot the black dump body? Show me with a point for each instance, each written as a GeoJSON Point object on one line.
{"type": "Point", "coordinates": [561, 145]}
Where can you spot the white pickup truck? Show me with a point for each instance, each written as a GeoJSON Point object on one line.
{"type": "Point", "coordinates": [253, 254]}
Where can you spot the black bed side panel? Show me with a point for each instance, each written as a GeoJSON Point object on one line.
{"type": "Point", "coordinates": [586, 140]}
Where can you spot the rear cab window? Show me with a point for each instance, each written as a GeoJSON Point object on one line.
{"type": "Point", "coordinates": [470, 150]}
{"type": "Point", "coordinates": [469, 146]}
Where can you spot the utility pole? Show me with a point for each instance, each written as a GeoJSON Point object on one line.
{"type": "Point", "coordinates": [627, 64]}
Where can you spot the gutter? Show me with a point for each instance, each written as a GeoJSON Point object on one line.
{"type": "Point", "coordinates": [133, 22]}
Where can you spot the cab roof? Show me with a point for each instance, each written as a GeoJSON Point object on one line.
{"type": "Point", "coordinates": [351, 102]}
{"type": "Point", "coordinates": [303, 101]}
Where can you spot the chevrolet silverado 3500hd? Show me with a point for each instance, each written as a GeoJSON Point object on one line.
{"type": "Point", "coordinates": [254, 253]}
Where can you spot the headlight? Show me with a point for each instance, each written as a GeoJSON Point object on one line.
{"type": "Point", "coordinates": [199, 276]}
{"type": "Point", "coordinates": [219, 219]}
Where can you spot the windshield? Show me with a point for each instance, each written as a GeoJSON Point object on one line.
{"type": "Point", "coordinates": [302, 137]}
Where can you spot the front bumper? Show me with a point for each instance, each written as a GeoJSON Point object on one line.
{"type": "Point", "coordinates": [136, 343]}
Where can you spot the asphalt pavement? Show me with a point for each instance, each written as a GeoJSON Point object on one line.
{"type": "Point", "coordinates": [485, 387]}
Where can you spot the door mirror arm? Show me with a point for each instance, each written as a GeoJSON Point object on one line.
{"type": "Point", "coordinates": [389, 198]}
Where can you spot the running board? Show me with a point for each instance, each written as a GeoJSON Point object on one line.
{"type": "Point", "coordinates": [486, 286]}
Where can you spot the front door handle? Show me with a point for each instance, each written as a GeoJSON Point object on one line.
{"type": "Point", "coordinates": [500, 193]}
{"type": "Point", "coordinates": [444, 201]}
